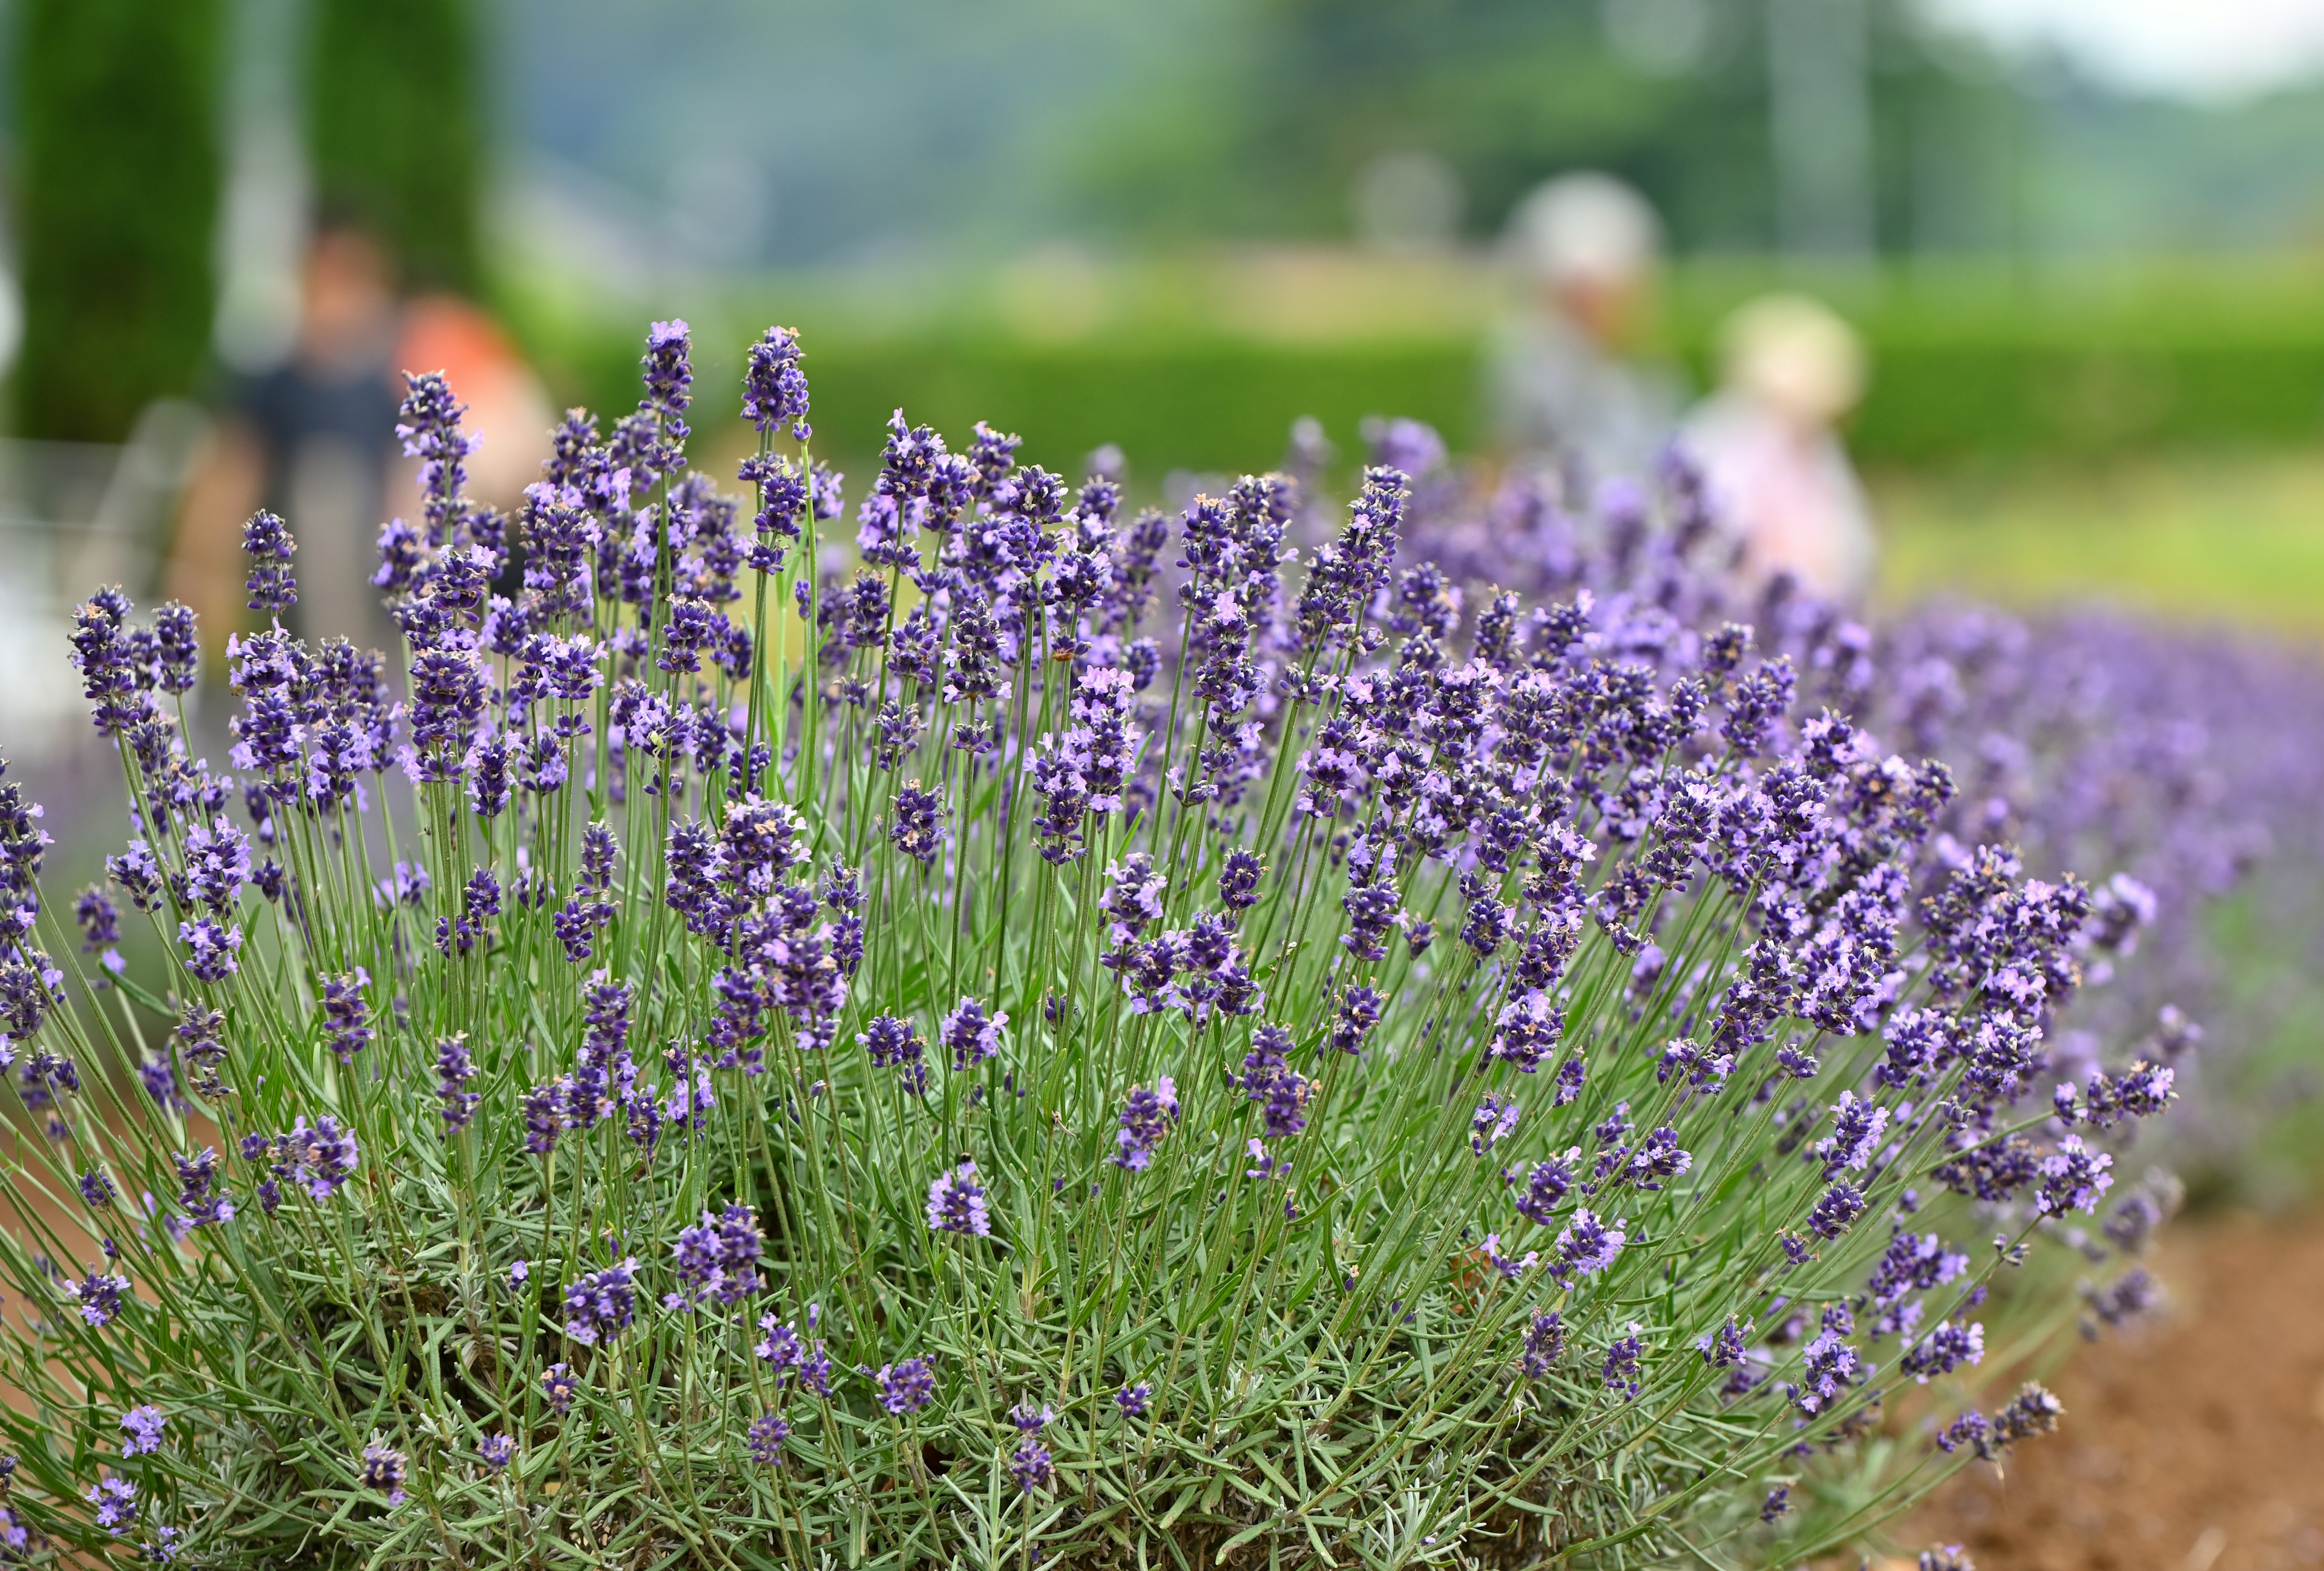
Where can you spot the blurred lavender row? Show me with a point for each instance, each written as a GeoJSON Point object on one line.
{"type": "Point", "coordinates": [2190, 759]}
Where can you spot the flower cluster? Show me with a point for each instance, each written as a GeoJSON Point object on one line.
{"type": "Point", "coordinates": [1190, 1012]}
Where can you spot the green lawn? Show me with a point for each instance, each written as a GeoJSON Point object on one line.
{"type": "Point", "coordinates": [2214, 537]}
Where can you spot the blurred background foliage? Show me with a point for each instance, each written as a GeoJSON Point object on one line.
{"type": "Point", "coordinates": [394, 126]}
{"type": "Point", "coordinates": [1165, 225]}
{"type": "Point", "coordinates": [117, 110]}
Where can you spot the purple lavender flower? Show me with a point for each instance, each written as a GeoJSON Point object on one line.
{"type": "Point", "coordinates": [1545, 1345]}
{"type": "Point", "coordinates": [496, 1452]}
{"type": "Point", "coordinates": [1568, 1081]}
{"type": "Point", "coordinates": [956, 1203]}
{"type": "Point", "coordinates": [918, 830]}
{"type": "Point", "coordinates": [1856, 1128]}
{"type": "Point", "coordinates": [1133, 1399]}
{"type": "Point", "coordinates": [1359, 1012]}
{"type": "Point", "coordinates": [2127, 1296]}
{"type": "Point", "coordinates": [2072, 1179]}
{"type": "Point", "coordinates": [1620, 1370]}
{"type": "Point", "coordinates": [1970, 1431]}
{"type": "Point", "coordinates": [602, 1305]}
{"type": "Point", "coordinates": [765, 1439]}
{"type": "Point", "coordinates": [453, 1070]}
{"type": "Point", "coordinates": [543, 1108]}
{"type": "Point", "coordinates": [1528, 1031]}
{"type": "Point", "coordinates": [99, 1297]}
{"type": "Point", "coordinates": [1238, 880]}
{"type": "Point", "coordinates": [782, 1347]}
{"type": "Point", "coordinates": [384, 1469]}
{"type": "Point", "coordinates": [204, 1203]}
{"type": "Point", "coordinates": [906, 1386]}
{"type": "Point", "coordinates": [1372, 909]}
{"type": "Point", "coordinates": [116, 1500]}
{"type": "Point", "coordinates": [668, 373]}
{"type": "Point", "coordinates": [558, 1385]}
{"type": "Point", "coordinates": [1031, 1466]}
{"type": "Point", "coordinates": [1827, 1366]}
{"type": "Point", "coordinates": [1945, 1349]}
{"type": "Point", "coordinates": [211, 949]}
{"type": "Point", "coordinates": [139, 876]}
{"type": "Point", "coordinates": [161, 1080]}
{"type": "Point", "coordinates": [1655, 1158]}
{"type": "Point", "coordinates": [1269, 1080]}
{"type": "Point", "coordinates": [449, 687]}
{"type": "Point", "coordinates": [347, 1021]}
{"type": "Point", "coordinates": [1587, 1244]}
{"type": "Point", "coordinates": [100, 926]}
{"type": "Point", "coordinates": [97, 1190]}
{"type": "Point", "coordinates": [1146, 1119]}
{"type": "Point", "coordinates": [143, 1424]}
{"type": "Point", "coordinates": [429, 430]}
{"type": "Point", "coordinates": [1836, 1211]}
{"type": "Point", "coordinates": [267, 542]}
{"type": "Point", "coordinates": [970, 1035]}
{"type": "Point", "coordinates": [1723, 1348]}
{"type": "Point", "coordinates": [324, 1157]}
{"type": "Point", "coordinates": [1494, 1122]}
{"type": "Point", "coordinates": [1509, 1267]}
{"type": "Point", "coordinates": [176, 655]}
{"type": "Point", "coordinates": [774, 388]}
{"type": "Point", "coordinates": [1945, 1557]}
{"type": "Point", "coordinates": [895, 1044]}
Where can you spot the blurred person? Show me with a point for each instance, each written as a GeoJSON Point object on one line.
{"type": "Point", "coordinates": [1570, 388]}
{"type": "Point", "coordinates": [1773, 463]}
{"type": "Point", "coordinates": [311, 439]}
{"type": "Point", "coordinates": [508, 415]}
{"type": "Point", "coordinates": [314, 440]}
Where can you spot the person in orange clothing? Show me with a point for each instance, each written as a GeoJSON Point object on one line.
{"type": "Point", "coordinates": [508, 411]}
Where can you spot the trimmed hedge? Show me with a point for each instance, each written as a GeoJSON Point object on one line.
{"type": "Point", "coordinates": [2210, 364]}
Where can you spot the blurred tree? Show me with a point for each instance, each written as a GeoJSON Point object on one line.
{"type": "Point", "coordinates": [1672, 95]}
{"type": "Point", "coordinates": [117, 191]}
{"type": "Point", "coordinates": [393, 129]}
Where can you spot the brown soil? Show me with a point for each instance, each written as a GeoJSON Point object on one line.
{"type": "Point", "coordinates": [2194, 1445]}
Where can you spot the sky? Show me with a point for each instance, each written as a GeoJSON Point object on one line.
{"type": "Point", "coordinates": [2202, 50]}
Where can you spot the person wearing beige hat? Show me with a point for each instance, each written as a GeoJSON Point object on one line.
{"type": "Point", "coordinates": [1777, 475]}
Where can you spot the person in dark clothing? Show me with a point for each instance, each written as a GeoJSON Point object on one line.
{"type": "Point", "coordinates": [313, 439]}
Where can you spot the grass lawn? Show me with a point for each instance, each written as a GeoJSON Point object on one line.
{"type": "Point", "coordinates": [2218, 538]}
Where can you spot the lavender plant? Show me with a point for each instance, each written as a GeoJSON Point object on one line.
{"type": "Point", "coordinates": [2175, 759]}
{"type": "Point", "coordinates": [739, 1066]}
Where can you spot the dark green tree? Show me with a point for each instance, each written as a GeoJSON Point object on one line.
{"type": "Point", "coordinates": [117, 106]}
{"type": "Point", "coordinates": [393, 131]}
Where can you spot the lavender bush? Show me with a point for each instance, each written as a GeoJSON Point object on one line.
{"type": "Point", "coordinates": [2179, 759]}
{"type": "Point", "coordinates": [739, 1067]}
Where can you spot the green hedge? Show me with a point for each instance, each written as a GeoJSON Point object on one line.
{"type": "Point", "coordinates": [1953, 379]}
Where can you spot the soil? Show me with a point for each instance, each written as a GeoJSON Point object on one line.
{"type": "Point", "coordinates": [2194, 1444]}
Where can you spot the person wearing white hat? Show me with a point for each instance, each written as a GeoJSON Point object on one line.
{"type": "Point", "coordinates": [1775, 471]}
{"type": "Point", "coordinates": [1568, 388]}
